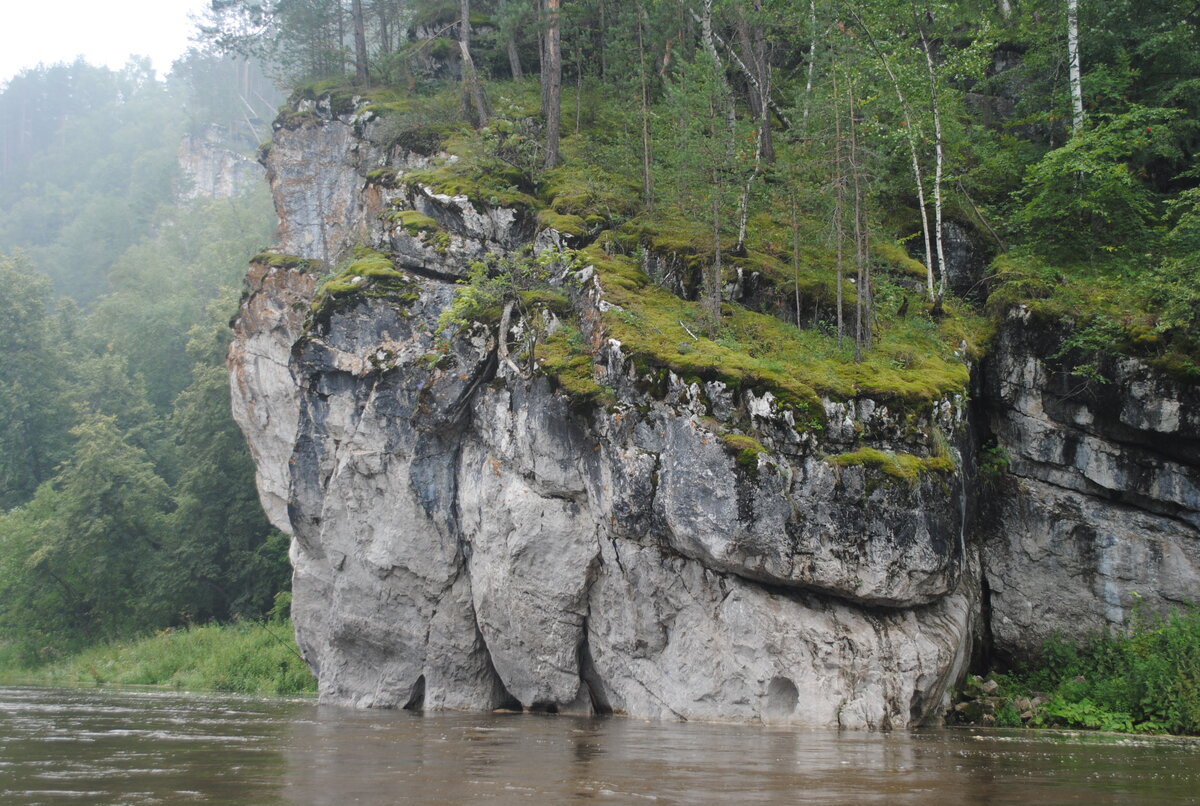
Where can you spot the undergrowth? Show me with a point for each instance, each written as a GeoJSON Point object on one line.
{"type": "Point", "coordinates": [1144, 679]}
{"type": "Point", "coordinates": [246, 658]}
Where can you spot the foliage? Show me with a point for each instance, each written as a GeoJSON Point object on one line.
{"type": "Point", "coordinates": [34, 415]}
{"type": "Point", "coordinates": [501, 279]}
{"type": "Point", "coordinates": [1087, 194]}
{"type": "Point", "coordinates": [367, 272]}
{"type": "Point", "coordinates": [1145, 678]}
{"type": "Point", "coordinates": [246, 657]}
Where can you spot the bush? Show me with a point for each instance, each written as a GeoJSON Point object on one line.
{"type": "Point", "coordinates": [1145, 679]}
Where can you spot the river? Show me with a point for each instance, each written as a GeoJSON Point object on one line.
{"type": "Point", "coordinates": [101, 746]}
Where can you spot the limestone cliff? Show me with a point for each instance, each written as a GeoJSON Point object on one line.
{"type": "Point", "coordinates": [1100, 507]}
{"type": "Point", "coordinates": [212, 169]}
{"type": "Point", "coordinates": [468, 534]}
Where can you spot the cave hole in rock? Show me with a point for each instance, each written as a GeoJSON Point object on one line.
{"type": "Point", "coordinates": [782, 697]}
{"type": "Point", "coordinates": [416, 699]}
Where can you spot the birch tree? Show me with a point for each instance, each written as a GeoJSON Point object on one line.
{"type": "Point", "coordinates": [1073, 67]}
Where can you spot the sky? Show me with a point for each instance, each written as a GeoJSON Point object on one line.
{"type": "Point", "coordinates": [105, 32]}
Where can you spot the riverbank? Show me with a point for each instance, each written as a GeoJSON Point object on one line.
{"type": "Point", "coordinates": [244, 658]}
{"type": "Point", "coordinates": [1145, 679]}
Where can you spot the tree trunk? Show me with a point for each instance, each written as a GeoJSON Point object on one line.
{"type": "Point", "coordinates": [795, 255]}
{"type": "Point", "coordinates": [360, 44]}
{"type": "Point", "coordinates": [385, 37]}
{"type": "Point", "coordinates": [862, 308]}
{"type": "Point", "coordinates": [911, 136]}
{"type": "Point", "coordinates": [514, 60]}
{"type": "Point", "coordinates": [1073, 63]}
{"type": "Point", "coordinates": [812, 51]}
{"type": "Point", "coordinates": [712, 282]}
{"type": "Point", "coordinates": [603, 32]}
{"type": "Point", "coordinates": [471, 85]}
{"type": "Point", "coordinates": [553, 78]}
{"type": "Point", "coordinates": [839, 206]}
{"type": "Point", "coordinates": [710, 44]}
{"type": "Point", "coordinates": [939, 162]}
{"type": "Point", "coordinates": [753, 44]}
{"type": "Point", "coordinates": [647, 184]}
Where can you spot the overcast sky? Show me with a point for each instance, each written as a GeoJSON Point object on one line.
{"type": "Point", "coordinates": [103, 31]}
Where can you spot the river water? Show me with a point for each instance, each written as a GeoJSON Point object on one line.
{"type": "Point", "coordinates": [97, 746]}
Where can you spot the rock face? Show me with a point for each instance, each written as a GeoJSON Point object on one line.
{"type": "Point", "coordinates": [465, 535]}
{"type": "Point", "coordinates": [213, 170]}
{"type": "Point", "coordinates": [1102, 506]}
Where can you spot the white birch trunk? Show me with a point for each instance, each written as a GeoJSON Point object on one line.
{"type": "Point", "coordinates": [1073, 59]}
{"type": "Point", "coordinates": [939, 163]}
{"type": "Point", "coordinates": [812, 50]}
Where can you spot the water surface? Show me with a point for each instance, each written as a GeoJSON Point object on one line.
{"type": "Point", "coordinates": [97, 746]}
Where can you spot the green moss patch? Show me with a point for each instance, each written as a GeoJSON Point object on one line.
{"type": "Point", "coordinates": [745, 450]}
{"type": "Point", "coordinates": [550, 299]}
{"type": "Point", "coordinates": [370, 273]}
{"type": "Point", "coordinates": [279, 261]}
{"type": "Point", "coordinates": [596, 196]}
{"type": "Point", "coordinates": [414, 222]}
{"type": "Point", "coordinates": [913, 363]}
{"type": "Point", "coordinates": [475, 175]}
{"type": "Point", "coordinates": [902, 466]}
{"type": "Point", "coordinates": [384, 177]}
{"type": "Point", "coordinates": [570, 225]}
{"type": "Point", "coordinates": [565, 358]}
{"type": "Point", "coordinates": [893, 256]}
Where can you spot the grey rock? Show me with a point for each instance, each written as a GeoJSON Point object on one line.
{"type": "Point", "coordinates": [1103, 509]}
{"type": "Point", "coordinates": [465, 536]}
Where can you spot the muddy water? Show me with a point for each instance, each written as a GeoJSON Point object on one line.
{"type": "Point", "coordinates": [119, 747]}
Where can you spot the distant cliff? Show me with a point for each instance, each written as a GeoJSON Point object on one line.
{"type": "Point", "coordinates": [212, 169]}
{"type": "Point", "coordinates": [595, 532]}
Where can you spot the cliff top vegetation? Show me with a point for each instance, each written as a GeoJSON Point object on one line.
{"type": "Point", "coordinates": [810, 198]}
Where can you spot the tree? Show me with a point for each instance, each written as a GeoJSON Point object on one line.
{"type": "Point", "coordinates": [224, 560]}
{"type": "Point", "coordinates": [33, 412]}
{"type": "Point", "coordinates": [471, 86]}
{"type": "Point", "coordinates": [360, 43]}
{"type": "Point", "coordinates": [1073, 67]}
{"type": "Point", "coordinates": [552, 80]}
{"type": "Point", "coordinates": [101, 534]}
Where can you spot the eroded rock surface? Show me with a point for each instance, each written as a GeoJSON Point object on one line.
{"type": "Point", "coordinates": [1102, 508]}
{"type": "Point", "coordinates": [468, 536]}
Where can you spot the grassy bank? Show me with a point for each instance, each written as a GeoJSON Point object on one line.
{"type": "Point", "coordinates": [246, 658]}
{"type": "Point", "coordinates": [1145, 679]}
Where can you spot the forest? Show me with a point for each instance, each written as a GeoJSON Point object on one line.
{"type": "Point", "coordinates": [842, 152]}
{"type": "Point", "coordinates": [127, 493]}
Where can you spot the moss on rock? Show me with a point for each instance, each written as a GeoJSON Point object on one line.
{"type": "Point", "coordinates": [901, 466]}
{"type": "Point", "coordinates": [369, 273]}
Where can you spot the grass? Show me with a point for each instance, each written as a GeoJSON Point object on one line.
{"type": "Point", "coordinates": [565, 358]}
{"type": "Point", "coordinates": [1102, 310]}
{"type": "Point", "coordinates": [276, 260]}
{"type": "Point", "coordinates": [245, 658]}
{"type": "Point", "coordinates": [911, 364]}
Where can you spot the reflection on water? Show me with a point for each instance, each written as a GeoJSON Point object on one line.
{"type": "Point", "coordinates": [119, 747]}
